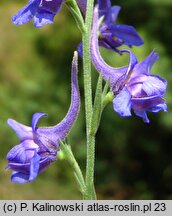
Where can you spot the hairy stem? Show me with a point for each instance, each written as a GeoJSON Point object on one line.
{"type": "Point", "coordinates": [90, 192]}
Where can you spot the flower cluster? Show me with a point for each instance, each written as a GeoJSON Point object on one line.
{"type": "Point", "coordinates": [133, 86]}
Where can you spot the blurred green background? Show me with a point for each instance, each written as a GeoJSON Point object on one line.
{"type": "Point", "coordinates": [133, 159]}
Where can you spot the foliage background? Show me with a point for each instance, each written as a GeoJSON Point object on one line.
{"type": "Point", "coordinates": [133, 159]}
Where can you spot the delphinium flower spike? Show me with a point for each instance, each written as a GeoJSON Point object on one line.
{"type": "Point", "coordinates": [39, 146]}
{"type": "Point", "coordinates": [42, 11]}
{"type": "Point", "coordinates": [133, 86]}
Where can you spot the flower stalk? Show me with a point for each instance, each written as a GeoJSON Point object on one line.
{"type": "Point", "coordinates": [90, 192]}
{"type": "Point", "coordinates": [68, 155]}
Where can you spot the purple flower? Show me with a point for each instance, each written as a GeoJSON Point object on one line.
{"type": "Point", "coordinates": [113, 35]}
{"type": "Point", "coordinates": [82, 5]}
{"type": "Point", "coordinates": [42, 11]}
{"type": "Point", "coordinates": [39, 146]}
{"type": "Point", "coordinates": [133, 85]}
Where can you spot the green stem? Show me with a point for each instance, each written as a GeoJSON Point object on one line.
{"type": "Point", "coordinates": [90, 192]}
{"type": "Point", "coordinates": [90, 137]}
{"type": "Point", "coordinates": [66, 149]}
